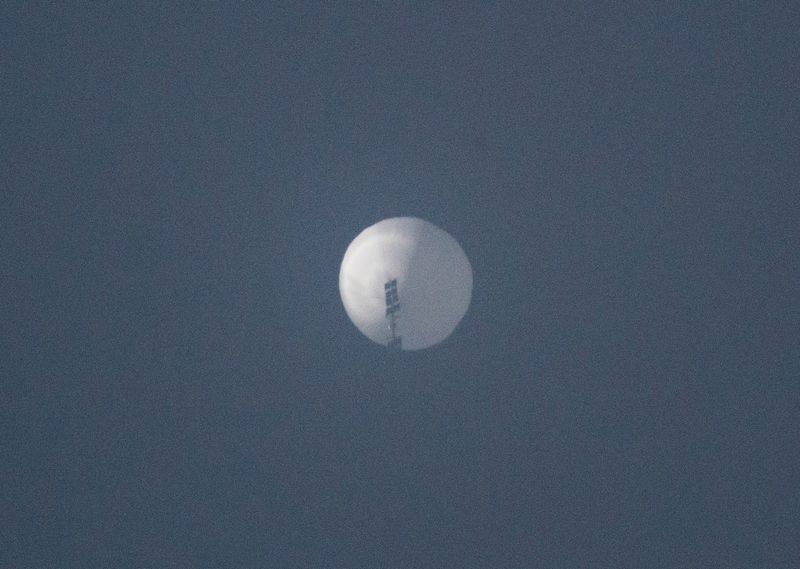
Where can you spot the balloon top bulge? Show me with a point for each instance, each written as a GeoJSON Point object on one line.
{"type": "Point", "coordinates": [433, 283]}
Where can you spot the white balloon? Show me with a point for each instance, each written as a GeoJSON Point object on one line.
{"type": "Point", "coordinates": [434, 281]}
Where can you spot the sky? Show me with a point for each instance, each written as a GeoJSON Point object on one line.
{"type": "Point", "coordinates": [180, 385]}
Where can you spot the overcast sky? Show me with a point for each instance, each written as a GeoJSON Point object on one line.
{"type": "Point", "coordinates": [180, 385]}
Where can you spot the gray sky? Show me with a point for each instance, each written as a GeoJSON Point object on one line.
{"type": "Point", "coordinates": [180, 385]}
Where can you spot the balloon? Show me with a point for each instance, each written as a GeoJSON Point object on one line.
{"type": "Point", "coordinates": [405, 283]}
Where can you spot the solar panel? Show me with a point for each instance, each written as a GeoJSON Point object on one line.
{"type": "Point", "coordinates": [392, 312]}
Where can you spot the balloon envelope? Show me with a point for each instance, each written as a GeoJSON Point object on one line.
{"type": "Point", "coordinates": [434, 281]}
